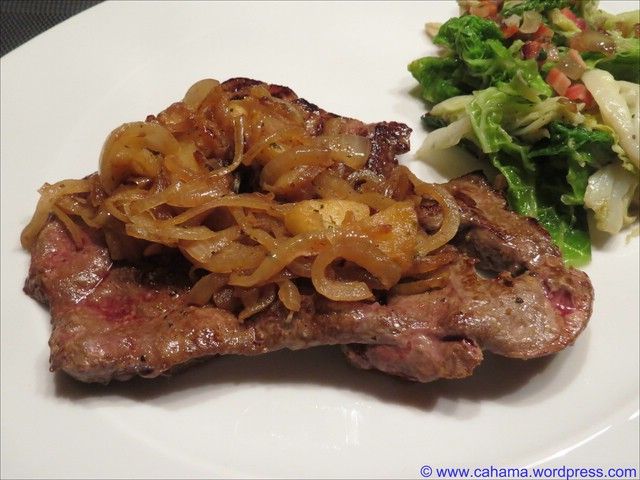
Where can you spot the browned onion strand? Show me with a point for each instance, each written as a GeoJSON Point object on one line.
{"type": "Point", "coordinates": [78, 206]}
{"type": "Point", "coordinates": [258, 235]}
{"type": "Point", "coordinates": [362, 251]}
{"type": "Point", "coordinates": [419, 286]}
{"type": "Point", "coordinates": [450, 218]}
{"type": "Point", "coordinates": [205, 287]}
{"type": "Point", "coordinates": [238, 136]}
{"type": "Point", "coordinates": [432, 262]}
{"type": "Point", "coordinates": [198, 92]}
{"type": "Point", "coordinates": [313, 211]}
{"type": "Point", "coordinates": [49, 195]}
{"type": "Point", "coordinates": [255, 304]}
{"type": "Point", "coordinates": [72, 228]}
{"type": "Point", "coordinates": [201, 252]}
{"type": "Point", "coordinates": [303, 245]}
{"type": "Point", "coordinates": [289, 295]}
{"type": "Point", "coordinates": [260, 145]}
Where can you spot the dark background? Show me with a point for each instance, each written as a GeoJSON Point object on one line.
{"type": "Point", "coordinates": [21, 20]}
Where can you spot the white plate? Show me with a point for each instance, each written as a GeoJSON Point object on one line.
{"type": "Point", "coordinates": [302, 414]}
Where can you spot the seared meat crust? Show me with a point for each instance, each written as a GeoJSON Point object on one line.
{"type": "Point", "coordinates": [118, 320]}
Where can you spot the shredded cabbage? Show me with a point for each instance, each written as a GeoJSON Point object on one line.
{"type": "Point", "coordinates": [560, 155]}
{"type": "Point", "coordinates": [445, 137]}
{"type": "Point", "coordinates": [615, 109]}
{"type": "Point", "coordinates": [609, 194]}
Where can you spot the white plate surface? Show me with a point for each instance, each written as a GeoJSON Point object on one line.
{"type": "Point", "coordinates": [289, 414]}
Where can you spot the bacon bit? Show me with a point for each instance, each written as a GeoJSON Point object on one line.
{"type": "Point", "coordinates": [581, 23]}
{"type": "Point", "coordinates": [558, 80]}
{"type": "Point", "coordinates": [509, 31]}
{"type": "Point", "coordinates": [569, 14]}
{"type": "Point", "coordinates": [486, 9]}
{"type": "Point", "coordinates": [531, 49]}
{"type": "Point", "coordinates": [579, 93]}
{"type": "Point", "coordinates": [543, 33]}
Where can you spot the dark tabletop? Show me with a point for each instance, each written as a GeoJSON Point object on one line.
{"type": "Point", "coordinates": [21, 20]}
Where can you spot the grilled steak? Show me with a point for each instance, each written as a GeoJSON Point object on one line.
{"type": "Point", "coordinates": [533, 307]}
{"type": "Point", "coordinates": [115, 320]}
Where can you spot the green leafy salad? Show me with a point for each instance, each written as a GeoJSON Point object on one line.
{"type": "Point", "coordinates": [547, 92]}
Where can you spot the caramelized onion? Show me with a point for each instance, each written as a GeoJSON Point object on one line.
{"type": "Point", "coordinates": [256, 234]}
{"type": "Point", "coordinates": [260, 145]}
{"type": "Point", "coordinates": [419, 286]}
{"type": "Point", "coordinates": [302, 245]}
{"type": "Point", "coordinates": [198, 92]}
{"type": "Point", "coordinates": [249, 200]}
{"type": "Point", "coordinates": [301, 267]}
{"type": "Point", "coordinates": [433, 262]}
{"type": "Point", "coordinates": [72, 228]}
{"type": "Point", "coordinates": [49, 194]}
{"type": "Point", "coordinates": [365, 176]}
{"type": "Point", "coordinates": [178, 180]}
{"type": "Point", "coordinates": [352, 150]}
{"type": "Point", "coordinates": [255, 305]}
{"type": "Point", "coordinates": [345, 291]}
{"type": "Point", "coordinates": [236, 257]}
{"type": "Point", "coordinates": [134, 149]}
{"type": "Point", "coordinates": [169, 236]}
{"type": "Point", "coordinates": [450, 216]}
{"type": "Point", "coordinates": [119, 204]}
{"type": "Point", "coordinates": [289, 295]}
{"type": "Point", "coordinates": [202, 291]}
{"type": "Point", "coordinates": [181, 194]}
{"type": "Point", "coordinates": [73, 205]}
{"type": "Point", "coordinates": [288, 160]}
{"type": "Point", "coordinates": [200, 252]}
{"type": "Point", "coordinates": [360, 250]}
{"type": "Point", "coordinates": [238, 129]}
{"type": "Point", "coordinates": [330, 186]}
